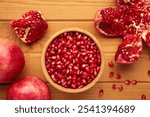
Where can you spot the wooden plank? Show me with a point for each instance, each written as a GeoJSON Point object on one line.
{"type": "Point", "coordinates": [33, 52]}
{"type": "Point", "coordinates": [129, 92]}
{"type": "Point", "coordinates": [54, 10]}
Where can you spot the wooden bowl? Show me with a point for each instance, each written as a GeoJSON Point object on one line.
{"type": "Point", "coordinates": [59, 87]}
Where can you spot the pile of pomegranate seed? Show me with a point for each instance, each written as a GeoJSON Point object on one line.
{"type": "Point", "coordinates": [128, 82]}
{"type": "Point", "coordinates": [73, 60]}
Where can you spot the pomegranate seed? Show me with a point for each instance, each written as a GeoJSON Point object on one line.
{"type": "Point", "coordinates": [120, 87]}
{"type": "Point", "coordinates": [148, 72]}
{"type": "Point", "coordinates": [114, 86]}
{"type": "Point", "coordinates": [127, 82]}
{"type": "Point", "coordinates": [71, 61]}
{"type": "Point", "coordinates": [143, 97]}
{"type": "Point", "coordinates": [134, 82]}
{"type": "Point", "coordinates": [111, 64]}
{"type": "Point", "coordinates": [118, 76]}
{"type": "Point", "coordinates": [111, 74]}
{"type": "Point", "coordinates": [101, 92]}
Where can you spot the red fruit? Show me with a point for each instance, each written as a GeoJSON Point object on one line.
{"type": "Point", "coordinates": [111, 64]}
{"type": "Point", "coordinates": [11, 60]}
{"type": "Point", "coordinates": [117, 76]}
{"type": "Point", "coordinates": [130, 50]}
{"type": "Point", "coordinates": [111, 74]}
{"type": "Point", "coordinates": [127, 82]}
{"type": "Point", "coordinates": [143, 97]}
{"type": "Point", "coordinates": [101, 92]}
{"type": "Point", "coordinates": [134, 82]}
{"type": "Point", "coordinates": [78, 63]}
{"type": "Point", "coordinates": [30, 27]}
{"type": "Point", "coordinates": [28, 88]}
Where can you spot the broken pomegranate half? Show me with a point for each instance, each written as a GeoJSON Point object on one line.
{"type": "Point", "coordinates": [30, 27]}
{"type": "Point", "coordinates": [131, 21]}
{"type": "Point", "coordinates": [72, 59]}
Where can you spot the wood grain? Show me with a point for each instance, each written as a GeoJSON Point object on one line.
{"type": "Point", "coordinates": [62, 14]}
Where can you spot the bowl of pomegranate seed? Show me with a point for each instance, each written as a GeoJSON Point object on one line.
{"type": "Point", "coordinates": [72, 60]}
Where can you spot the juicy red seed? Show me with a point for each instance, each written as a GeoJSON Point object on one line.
{"type": "Point", "coordinates": [114, 86]}
{"type": "Point", "coordinates": [134, 82]}
{"type": "Point", "coordinates": [148, 72]}
{"type": "Point", "coordinates": [101, 92]}
{"type": "Point", "coordinates": [143, 97]}
{"type": "Point", "coordinates": [71, 61]}
{"type": "Point", "coordinates": [117, 76]}
{"type": "Point", "coordinates": [111, 64]}
{"type": "Point", "coordinates": [120, 87]}
{"type": "Point", "coordinates": [127, 82]}
{"type": "Point", "coordinates": [111, 74]}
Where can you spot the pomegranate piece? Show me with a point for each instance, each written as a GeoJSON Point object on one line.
{"type": "Point", "coordinates": [28, 88]}
{"type": "Point", "coordinates": [130, 19]}
{"type": "Point", "coordinates": [143, 97]}
{"type": "Point", "coordinates": [111, 64]}
{"type": "Point", "coordinates": [130, 50]}
{"type": "Point", "coordinates": [11, 60]}
{"type": "Point", "coordinates": [72, 60]}
{"type": "Point", "coordinates": [111, 74]}
{"type": "Point", "coordinates": [127, 82]}
{"type": "Point", "coordinates": [30, 27]}
{"type": "Point", "coordinates": [101, 92]}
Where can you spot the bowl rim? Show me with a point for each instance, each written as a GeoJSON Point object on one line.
{"type": "Point", "coordinates": [59, 87]}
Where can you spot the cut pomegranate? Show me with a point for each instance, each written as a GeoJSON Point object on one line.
{"type": "Point", "coordinates": [30, 27]}
{"type": "Point", "coordinates": [117, 76]}
{"type": "Point", "coordinates": [73, 60]}
{"type": "Point", "coordinates": [111, 64]}
{"type": "Point", "coordinates": [101, 92]}
{"type": "Point", "coordinates": [111, 74]}
{"type": "Point", "coordinates": [127, 82]}
{"type": "Point", "coordinates": [148, 72]}
{"type": "Point", "coordinates": [134, 82]}
{"type": "Point", "coordinates": [130, 50]}
{"type": "Point", "coordinates": [131, 19]}
{"type": "Point", "coordinates": [143, 97]}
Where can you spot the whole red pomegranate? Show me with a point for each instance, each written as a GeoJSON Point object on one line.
{"type": "Point", "coordinates": [11, 60]}
{"type": "Point", "coordinates": [29, 88]}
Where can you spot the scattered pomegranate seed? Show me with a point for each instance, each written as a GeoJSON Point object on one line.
{"type": "Point", "coordinates": [120, 87]}
{"type": "Point", "coordinates": [127, 82]}
{"type": "Point", "coordinates": [111, 74]}
{"type": "Point", "coordinates": [111, 64]}
{"type": "Point", "coordinates": [134, 82]}
{"type": "Point", "coordinates": [148, 72]}
{"type": "Point", "coordinates": [117, 76]}
{"type": "Point", "coordinates": [114, 86]}
{"type": "Point", "coordinates": [143, 97]}
{"type": "Point", "coordinates": [101, 92]}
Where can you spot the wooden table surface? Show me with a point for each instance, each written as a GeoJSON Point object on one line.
{"type": "Point", "coordinates": [62, 14]}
